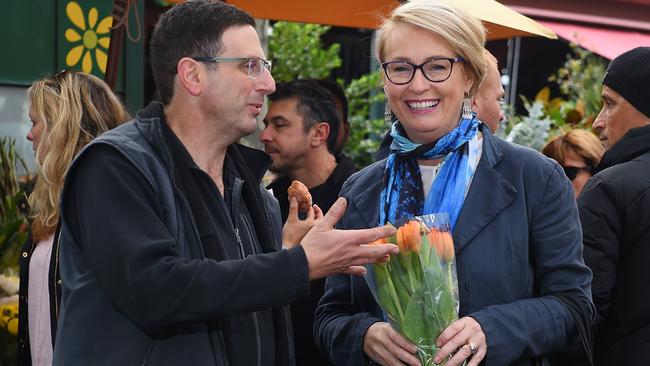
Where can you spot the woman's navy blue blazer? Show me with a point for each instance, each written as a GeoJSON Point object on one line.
{"type": "Point", "coordinates": [519, 259]}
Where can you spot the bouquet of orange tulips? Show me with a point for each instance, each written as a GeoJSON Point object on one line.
{"type": "Point", "coordinates": [417, 288]}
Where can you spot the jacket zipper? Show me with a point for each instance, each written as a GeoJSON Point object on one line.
{"type": "Point", "coordinates": [240, 244]}
{"type": "Point", "coordinates": [236, 215]}
{"type": "Point", "coordinates": [258, 330]}
{"type": "Point", "coordinates": [286, 314]}
{"type": "Point", "coordinates": [177, 191]}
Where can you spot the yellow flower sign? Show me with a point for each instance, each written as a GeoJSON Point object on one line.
{"type": "Point", "coordinates": [93, 38]}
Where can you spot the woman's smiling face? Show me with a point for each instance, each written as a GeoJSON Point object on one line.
{"type": "Point", "coordinates": [426, 110]}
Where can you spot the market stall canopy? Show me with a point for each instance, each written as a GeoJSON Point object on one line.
{"type": "Point", "coordinates": [606, 42]}
{"type": "Point", "coordinates": [501, 21]}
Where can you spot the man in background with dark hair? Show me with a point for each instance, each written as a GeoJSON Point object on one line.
{"type": "Point", "coordinates": [341, 102]}
{"type": "Point", "coordinates": [170, 249]}
{"type": "Point", "coordinates": [300, 134]}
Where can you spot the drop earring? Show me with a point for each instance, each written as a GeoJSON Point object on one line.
{"type": "Point", "coordinates": [388, 114]}
{"type": "Point", "coordinates": [467, 112]}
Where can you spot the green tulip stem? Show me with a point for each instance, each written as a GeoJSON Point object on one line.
{"type": "Point", "coordinates": [393, 294]}
{"type": "Point", "coordinates": [450, 280]}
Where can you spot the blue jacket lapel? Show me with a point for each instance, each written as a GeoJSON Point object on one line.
{"type": "Point", "coordinates": [367, 202]}
{"type": "Point", "coordinates": [489, 194]}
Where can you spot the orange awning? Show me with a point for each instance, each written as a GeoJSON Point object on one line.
{"type": "Point", "coordinates": [348, 13]}
{"type": "Point", "coordinates": [501, 21]}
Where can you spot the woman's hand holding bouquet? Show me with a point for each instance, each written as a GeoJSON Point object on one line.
{"type": "Point", "coordinates": [417, 288]}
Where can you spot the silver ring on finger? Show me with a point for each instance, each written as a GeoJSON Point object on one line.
{"type": "Point", "coordinates": [472, 347]}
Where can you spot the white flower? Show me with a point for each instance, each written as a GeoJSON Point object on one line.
{"type": "Point", "coordinates": [9, 284]}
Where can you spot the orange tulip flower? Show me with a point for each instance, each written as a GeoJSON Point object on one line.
{"type": "Point", "coordinates": [408, 237]}
{"type": "Point", "coordinates": [436, 241]}
{"type": "Point", "coordinates": [399, 237]}
{"type": "Point", "coordinates": [448, 251]}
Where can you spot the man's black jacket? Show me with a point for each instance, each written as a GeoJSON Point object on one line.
{"type": "Point", "coordinates": [140, 285]}
{"type": "Point", "coordinates": [615, 214]}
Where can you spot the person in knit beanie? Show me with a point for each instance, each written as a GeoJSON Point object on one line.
{"type": "Point", "coordinates": [626, 96]}
{"type": "Point", "coordinates": [614, 208]}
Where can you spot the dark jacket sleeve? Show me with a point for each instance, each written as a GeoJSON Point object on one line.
{"type": "Point", "coordinates": [344, 313]}
{"type": "Point", "coordinates": [113, 214]}
{"type": "Point", "coordinates": [341, 322]}
{"type": "Point", "coordinates": [600, 223]}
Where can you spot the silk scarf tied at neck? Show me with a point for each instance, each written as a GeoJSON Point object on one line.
{"type": "Point", "coordinates": [403, 195]}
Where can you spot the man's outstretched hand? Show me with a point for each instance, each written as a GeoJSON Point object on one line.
{"type": "Point", "coordinates": [331, 251]}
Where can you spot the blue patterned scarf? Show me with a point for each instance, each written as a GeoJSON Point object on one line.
{"type": "Point", "coordinates": [403, 194]}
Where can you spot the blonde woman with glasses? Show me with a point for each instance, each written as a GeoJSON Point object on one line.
{"type": "Point", "coordinates": [67, 111]}
{"type": "Point", "coordinates": [523, 286]}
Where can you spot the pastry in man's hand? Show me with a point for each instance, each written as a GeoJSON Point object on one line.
{"type": "Point", "coordinates": [300, 191]}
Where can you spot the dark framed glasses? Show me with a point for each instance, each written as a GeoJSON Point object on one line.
{"type": "Point", "coordinates": [255, 65]}
{"type": "Point", "coordinates": [572, 171]}
{"type": "Point", "coordinates": [435, 70]}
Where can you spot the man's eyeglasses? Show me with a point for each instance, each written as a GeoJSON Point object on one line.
{"type": "Point", "coordinates": [255, 65]}
{"type": "Point", "coordinates": [435, 70]}
{"type": "Point", "coordinates": [572, 171]}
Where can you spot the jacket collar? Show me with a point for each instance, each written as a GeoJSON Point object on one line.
{"type": "Point", "coordinates": [150, 119]}
{"type": "Point", "coordinates": [634, 143]}
{"type": "Point", "coordinates": [489, 194]}
{"type": "Point", "coordinates": [257, 161]}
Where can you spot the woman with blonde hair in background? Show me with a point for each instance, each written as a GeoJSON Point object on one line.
{"type": "Point", "coordinates": [578, 152]}
{"type": "Point", "coordinates": [524, 289]}
{"type": "Point", "coordinates": [67, 111]}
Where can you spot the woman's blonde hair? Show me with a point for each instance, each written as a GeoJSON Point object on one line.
{"type": "Point", "coordinates": [74, 108]}
{"type": "Point", "coordinates": [584, 143]}
{"type": "Point", "coordinates": [464, 34]}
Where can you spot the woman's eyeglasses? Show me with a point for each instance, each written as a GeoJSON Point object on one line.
{"type": "Point", "coordinates": [435, 70]}
{"type": "Point", "coordinates": [572, 171]}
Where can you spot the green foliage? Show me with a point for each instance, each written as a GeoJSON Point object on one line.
{"type": "Point", "coordinates": [365, 132]}
{"type": "Point", "coordinates": [298, 53]}
{"type": "Point", "coordinates": [13, 232]}
{"type": "Point", "coordinates": [13, 227]}
{"type": "Point", "coordinates": [531, 130]}
{"type": "Point", "coordinates": [580, 82]}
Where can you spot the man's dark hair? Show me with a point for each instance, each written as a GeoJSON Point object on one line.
{"type": "Point", "coordinates": [314, 104]}
{"type": "Point", "coordinates": [190, 29]}
{"type": "Point", "coordinates": [338, 94]}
